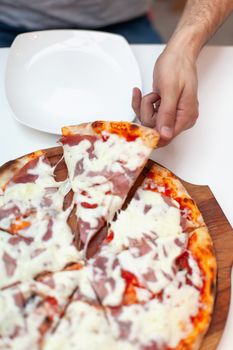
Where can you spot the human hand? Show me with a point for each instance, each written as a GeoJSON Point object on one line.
{"type": "Point", "coordinates": [172, 107]}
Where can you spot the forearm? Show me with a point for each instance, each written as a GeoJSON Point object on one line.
{"type": "Point", "coordinates": [200, 20]}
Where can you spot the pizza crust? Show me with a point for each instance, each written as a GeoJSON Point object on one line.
{"type": "Point", "coordinates": [149, 136]}
{"type": "Point", "coordinates": [169, 185]}
{"type": "Point", "coordinates": [11, 168]}
{"type": "Point", "coordinates": [201, 247]}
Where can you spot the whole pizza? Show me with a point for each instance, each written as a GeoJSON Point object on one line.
{"type": "Point", "coordinates": [94, 257]}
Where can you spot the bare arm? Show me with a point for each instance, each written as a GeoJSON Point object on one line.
{"type": "Point", "coordinates": [200, 20]}
{"type": "Point", "coordinates": [175, 78]}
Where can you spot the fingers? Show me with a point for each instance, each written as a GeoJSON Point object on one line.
{"type": "Point", "coordinates": [163, 143]}
{"type": "Point", "coordinates": [185, 120]}
{"type": "Point", "coordinates": [170, 114]}
{"type": "Point", "coordinates": [136, 101]}
{"type": "Point", "coordinates": [188, 112]}
{"type": "Point", "coordinates": [148, 109]}
{"type": "Point", "coordinates": [167, 114]}
{"type": "Point", "coordinates": [145, 108]}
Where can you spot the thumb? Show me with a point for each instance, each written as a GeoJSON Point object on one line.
{"type": "Point", "coordinates": [167, 115]}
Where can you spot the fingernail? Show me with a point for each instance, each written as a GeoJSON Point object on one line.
{"type": "Point", "coordinates": [166, 132]}
{"type": "Point", "coordinates": [134, 91]}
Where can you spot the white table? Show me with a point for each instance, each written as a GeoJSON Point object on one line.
{"type": "Point", "coordinates": [202, 155]}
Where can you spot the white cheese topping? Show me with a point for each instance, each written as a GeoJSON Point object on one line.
{"type": "Point", "coordinates": [160, 220]}
{"type": "Point", "coordinates": [98, 163]}
{"type": "Point", "coordinates": [156, 260]}
{"type": "Point", "coordinates": [163, 323]}
{"type": "Point", "coordinates": [47, 241]}
{"type": "Point", "coordinates": [106, 205]}
{"type": "Point", "coordinates": [30, 195]}
{"type": "Point", "coordinates": [104, 276]}
{"type": "Point", "coordinates": [84, 327]}
{"type": "Point", "coordinates": [39, 254]}
{"type": "Point", "coordinates": [116, 150]}
{"type": "Point", "coordinates": [29, 316]}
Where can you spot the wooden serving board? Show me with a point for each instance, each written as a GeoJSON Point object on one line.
{"type": "Point", "coordinates": [221, 233]}
{"type": "Point", "coordinates": [222, 236]}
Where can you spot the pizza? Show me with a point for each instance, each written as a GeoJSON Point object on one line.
{"type": "Point", "coordinates": [94, 256]}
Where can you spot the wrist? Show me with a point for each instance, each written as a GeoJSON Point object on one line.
{"type": "Point", "coordinates": [188, 41]}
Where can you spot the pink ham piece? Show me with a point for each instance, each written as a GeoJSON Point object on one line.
{"type": "Point", "coordinates": [10, 264]}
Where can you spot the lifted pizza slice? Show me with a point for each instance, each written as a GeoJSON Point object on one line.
{"type": "Point", "coordinates": [104, 159]}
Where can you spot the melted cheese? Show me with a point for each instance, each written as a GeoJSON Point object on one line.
{"type": "Point", "coordinates": [115, 150]}
{"type": "Point", "coordinates": [156, 260]}
{"type": "Point", "coordinates": [165, 323]}
{"type": "Point", "coordinates": [160, 221]}
{"type": "Point", "coordinates": [115, 155]}
{"type": "Point", "coordinates": [29, 319]}
{"type": "Point", "coordinates": [41, 255]}
{"type": "Point", "coordinates": [103, 276]}
{"type": "Point", "coordinates": [28, 192]}
{"type": "Point", "coordinates": [28, 196]}
{"type": "Point", "coordinates": [84, 327]}
{"type": "Point", "coordinates": [106, 207]}
{"type": "Point", "coordinates": [195, 277]}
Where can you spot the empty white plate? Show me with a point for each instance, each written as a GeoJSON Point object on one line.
{"type": "Point", "coordinates": [62, 77]}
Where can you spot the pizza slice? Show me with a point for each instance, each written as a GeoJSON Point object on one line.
{"type": "Point", "coordinates": [103, 159]}
{"type": "Point", "coordinates": [161, 207]}
{"type": "Point", "coordinates": [31, 308]}
{"type": "Point", "coordinates": [149, 216]}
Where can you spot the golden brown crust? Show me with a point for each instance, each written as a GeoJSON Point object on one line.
{"type": "Point", "coordinates": [164, 176]}
{"type": "Point", "coordinates": [125, 129]}
{"type": "Point", "coordinates": [81, 129]}
{"type": "Point", "coordinates": [168, 184]}
{"type": "Point", "coordinates": [201, 247]}
{"type": "Point", "coordinates": [9, 169]}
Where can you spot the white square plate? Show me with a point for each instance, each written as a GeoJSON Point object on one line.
{"type": "Point", "coordinates": [62, 77]}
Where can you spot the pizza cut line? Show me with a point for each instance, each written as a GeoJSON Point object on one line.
{"type": "Point", "coordinates": [81, 269]}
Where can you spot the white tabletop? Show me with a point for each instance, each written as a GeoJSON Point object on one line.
{"type": "Point", "coordinates": [202, 155]}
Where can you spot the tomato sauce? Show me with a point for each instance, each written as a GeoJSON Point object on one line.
{"type": "Point", "coordinates": [89, 205]}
